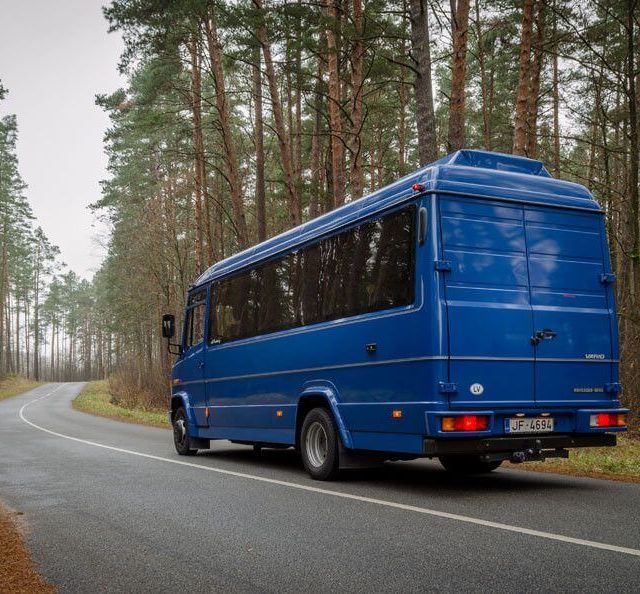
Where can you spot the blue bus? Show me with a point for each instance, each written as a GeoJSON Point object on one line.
{"type": "Point", "coordinates": [465, 312]}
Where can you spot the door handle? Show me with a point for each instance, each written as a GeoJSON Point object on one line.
{"type": "Point", "coordinates": [541, 335]}
{"type": "Point", "coordinates": [200, 364]}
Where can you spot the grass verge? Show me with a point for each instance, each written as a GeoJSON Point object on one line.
{"type": "Point", "coordinates": [17, 573]}
{"type": "Point", "coordinates": [621, 463]}
{"type": "Point", "coordinates": [16, 384]}
{"type": "Point", "coordinates": [96, 399]}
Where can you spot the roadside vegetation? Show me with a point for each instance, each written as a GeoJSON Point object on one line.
{"type": "Point", "coordinates": [13, 385]}
{"type": "Point", "coordinates": [99, 398]}
{"type": "Point", "coordinates": [17, 573]}
{"type": "Point", "coordinates": [621, 463]}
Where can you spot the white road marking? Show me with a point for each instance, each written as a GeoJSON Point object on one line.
{"type": "Point", "coordinates": [381, 502]}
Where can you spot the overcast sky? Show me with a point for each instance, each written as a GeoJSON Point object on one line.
{"type": "Point", "coordinates": [55, 56]}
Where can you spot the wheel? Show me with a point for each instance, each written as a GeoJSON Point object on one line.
{"type": "Point", "coordinates": [468, 464]}
{"type": "Point", "coordinates": [181, 437]}
{"type": "Point", "coordinates": [319, 445]}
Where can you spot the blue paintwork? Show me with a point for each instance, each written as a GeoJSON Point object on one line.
{"type": "Point", "coordinates": [518, 252]}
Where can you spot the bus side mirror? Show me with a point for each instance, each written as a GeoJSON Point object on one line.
{"type": "Point", "coordinates": [168, 326]}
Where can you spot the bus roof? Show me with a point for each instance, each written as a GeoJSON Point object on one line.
{"type": "Point", "coordinates": [473, 173]}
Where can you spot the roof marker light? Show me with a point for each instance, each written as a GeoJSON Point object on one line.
{"type": "Point", "coordinates": [417, 187]}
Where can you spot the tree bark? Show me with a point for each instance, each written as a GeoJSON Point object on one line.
{"type": "Point", "coordinates": [316, 144]}
{"type": "Point", "coordinates": [520, 124]}
{"type": "Point", "coordinates": [421, 54]}
{"type": "Point", "coordinates": [335, 117]}
{"type": "Point", "coordinates": [459, 31]}
{"type": "Point", "coordinates": [556, 100]}
{"type": "Point", "coordinates": [230, 160]}
{"type": "Point", "coordinates": [198, 151]}
{"type": "Point", "coordinates": [486, 129]}
{"type": "Point", "coordinates": [284, 142]}
{"type": "Point", "coordinates": [634, 155]}
{"type": "Point", "coordinates": [534, 84]}
{"type": "Point", "coordinates": [357, 80]}
{"type": "Point", "coordinates": [259, 140]}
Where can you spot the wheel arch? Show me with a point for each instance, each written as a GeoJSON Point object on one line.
{"type": "Point", "coordinates": [182, 399]}
{"type": "Point", "coordinates": [324, 396]}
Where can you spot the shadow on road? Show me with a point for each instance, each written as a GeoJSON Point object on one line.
{"type": "Point", "coordinates": [420, 476]}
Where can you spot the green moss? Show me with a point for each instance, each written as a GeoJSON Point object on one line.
{"type": "Point", "coordinates": [96, 399]}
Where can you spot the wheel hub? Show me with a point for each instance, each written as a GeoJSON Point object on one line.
{"type": "Point", "coordinates": [316, 444]}
{"type": "Point", "coordinates": [180, 430]}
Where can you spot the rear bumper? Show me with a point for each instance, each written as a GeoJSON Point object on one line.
{"type": "Point", "coordinates": [488, 445]}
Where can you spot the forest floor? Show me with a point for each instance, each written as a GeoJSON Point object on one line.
{"type": "Point", "coordinates": [17, 573]}
{"type": "Point", "coordinates": [621, 463]}
{"type": "Point", "coordinates": [15, 384]}
{"type": "Point", "coordinates": [96, 399]}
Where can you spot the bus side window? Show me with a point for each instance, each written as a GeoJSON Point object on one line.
{"type": "Point", "coordinates": [195, 326]}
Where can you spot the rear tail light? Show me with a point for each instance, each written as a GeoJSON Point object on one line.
{"type": "Point", "coordinates": [608, 420]}
{"type": "Point", "coordinates": [465, 423]}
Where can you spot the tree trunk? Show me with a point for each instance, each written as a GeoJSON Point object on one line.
{"type": "Point", "coordinates": [634, 155]}
{"type": "Point", "coordinates": [284, 141]}
{"type": "Point", "coordinates": [36, 316]}
{"type": "Point", "coordinates": [421, 54]}
{"type": "Point", "coordinates": [316, 144]}
{"type": "Point", "coordinates": [357, 80]}
{"type": "Point", "coordinates": [486, 129]}
{"type": "Point", "coordinates": [259, 140]}
{"type": "Point", "coordinates": [335, 117]}
{"type": "Point", "coordinates": [534, 84]}
{"type": "Point", "coordinates": [198, 151]}
{"type": "Point", "coordinates": [298, 130]}
{"type": "Point", "coordinates": [459, 31]}
{"type": "Point", "coordinates": [520, 123]}
{"type": "Point", "coordinates": [230, 160]}
{"type": "Point", "coordinates": [556, 100]}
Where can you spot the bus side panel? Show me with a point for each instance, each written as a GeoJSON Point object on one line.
{"type": "Point", "coordinates": [378, 362]}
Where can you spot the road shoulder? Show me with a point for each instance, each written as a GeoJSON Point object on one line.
{"type": "Point", "coordinates": [17, 571]}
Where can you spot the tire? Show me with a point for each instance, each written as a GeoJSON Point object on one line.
{"type": "Point", "coordinates": [468, 464]}
{"type": "Point", "coordinates": [181, 437]}
{"type": "Point", "coordinates": [319, 445]}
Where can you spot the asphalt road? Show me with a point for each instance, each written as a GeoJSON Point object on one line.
{"type": "Point", "coordinates": [111, 508]}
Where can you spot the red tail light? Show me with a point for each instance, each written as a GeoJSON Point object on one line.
{"type": "Point", "coordinates": [465, 423]}
{"type": "Point", "coordinates": [608, 420]}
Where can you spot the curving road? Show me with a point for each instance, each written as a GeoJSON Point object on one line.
{"type": "Point", "coordinates": [112, 508]}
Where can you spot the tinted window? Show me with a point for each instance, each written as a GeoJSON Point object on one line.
{"type": "Point", "coordinates": [194, 328]}
{"type": "Point", "coordinates": [367, 268]}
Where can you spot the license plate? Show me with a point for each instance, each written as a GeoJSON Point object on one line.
{"type": "Point", "coordinates": [528, 425]}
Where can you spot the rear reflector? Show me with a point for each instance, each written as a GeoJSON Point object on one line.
{"type": "Point", "coordinates": [608, 420]}
{"type": "Point", "coordinates": [465, 423]}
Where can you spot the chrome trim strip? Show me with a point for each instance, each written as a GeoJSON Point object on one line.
{"type": "Point", "coordinates": [552, 359]}
{"type": "Point", "coordinates": [387, 362]}
{"type": "Point", "coordinates": [311, 369]}
{"type": "Point", "coordinates": [535, 359]}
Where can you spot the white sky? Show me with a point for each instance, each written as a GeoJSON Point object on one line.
{"type": "Point", "coordinates": [55, 56]}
